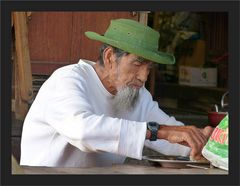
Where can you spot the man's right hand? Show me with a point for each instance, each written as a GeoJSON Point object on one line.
{"type": "Point", "coordinates": [190, 136]}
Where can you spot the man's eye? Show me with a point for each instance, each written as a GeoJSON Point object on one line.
{"type": "Point", "coordinates": [137, 63]}
{"type": "Point", "coordinates": [150, 66]}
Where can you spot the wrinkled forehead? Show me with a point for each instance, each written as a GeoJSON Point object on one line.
{"type": "Point", "coordinates": [141, 59]}
{"type": "Point", "coordinates": [138, 58]}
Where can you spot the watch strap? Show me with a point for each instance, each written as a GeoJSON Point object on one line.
{"type": "Point", "coordinates": [153, 128]}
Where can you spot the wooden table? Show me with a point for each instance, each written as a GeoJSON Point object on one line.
{"type": "Point", "coordinates": [120, 169]}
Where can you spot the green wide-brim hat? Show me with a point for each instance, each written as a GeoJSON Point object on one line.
{"type": "Point", "coordinates": [133, 37]}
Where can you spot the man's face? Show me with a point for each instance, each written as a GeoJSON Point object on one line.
{"type": "Point", "coordinates": [129, 74]}
{"type": "Point", "coordinates": [130, 71]}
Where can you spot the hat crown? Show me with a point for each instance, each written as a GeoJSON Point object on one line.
{"type": "Point", "coordinates": [135, 38]}
{"type": "Point", "coordinates": [133, 33]}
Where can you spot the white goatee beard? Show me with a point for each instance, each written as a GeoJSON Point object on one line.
{"type": "Point", "coordinates": [125, 99]}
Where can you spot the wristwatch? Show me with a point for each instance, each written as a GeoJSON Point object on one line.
{"type": "Point", "coordinates": [153, 128]}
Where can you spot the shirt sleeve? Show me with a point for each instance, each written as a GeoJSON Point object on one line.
{"type": "Point", "coordinates": [71, 115]}
{"type": "Point", "coordinates": [154, 113]}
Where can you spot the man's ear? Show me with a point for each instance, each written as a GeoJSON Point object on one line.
{"type": "Point", "coordinates": [108, 57]}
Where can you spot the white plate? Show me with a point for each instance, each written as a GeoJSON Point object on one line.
{"type": "Point", "coordinates": [175, 162]}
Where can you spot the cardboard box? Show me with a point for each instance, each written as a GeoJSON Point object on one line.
{"type": "Point", "coordinates": [195, 76]}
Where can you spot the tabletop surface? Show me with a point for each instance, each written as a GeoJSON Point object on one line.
{"type": "Point", "coordinates": [118, 169]}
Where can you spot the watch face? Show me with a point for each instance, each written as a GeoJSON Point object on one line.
{"type": "Point", "coordinates": [153, 125]}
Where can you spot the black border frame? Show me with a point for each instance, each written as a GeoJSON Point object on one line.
{"type": "Point", "coordinates": [232, 7]}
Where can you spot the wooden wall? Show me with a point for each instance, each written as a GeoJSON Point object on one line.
{"type": "Point", "coordinates": [216, 31]}
{"type": "Point", "coordinates": [57, 38]}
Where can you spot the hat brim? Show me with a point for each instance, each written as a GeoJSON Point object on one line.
{"type": "Point", "coordinates": [155, 56]}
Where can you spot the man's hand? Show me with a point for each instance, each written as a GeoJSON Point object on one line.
{"type": "Point", "coordinates": [190, 136]}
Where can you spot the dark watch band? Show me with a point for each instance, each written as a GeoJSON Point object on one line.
{"type": "Point", "coordinates": [153, 128]}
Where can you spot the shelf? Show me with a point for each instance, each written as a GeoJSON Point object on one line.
{"type": "Point", "coordinates": [173, 90]}
{"type": "Point", "coordinates": [182, 97]}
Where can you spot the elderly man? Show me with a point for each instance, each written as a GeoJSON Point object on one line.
{"type": "Point", "coordinates": [97, 114]}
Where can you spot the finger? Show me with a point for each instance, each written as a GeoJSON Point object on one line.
{"type": "Point", "coordinates": [202, 136]}
{"type": "Point", "coordinates": [194, 150]}
{"type": "Point", "coordinates": [198, 136]}
{"type": "Point", "coordinates": [192, 143]}
{"type": "Point", "coordinates": [195, 153]}
{"type": "Point", "coordinates": [196, 158]}
{"type": "Point", "coordinates": [195, 141]}
{"type": "Point", "coordinates": [207, 131]}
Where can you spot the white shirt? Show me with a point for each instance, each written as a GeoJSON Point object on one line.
{"type": "Point", "coordinates": [71, 123]}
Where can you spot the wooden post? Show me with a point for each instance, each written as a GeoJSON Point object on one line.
{"type": "Point", "coordinates": [23, 73]}
{"type": "Point", "coordinates": [143, 18]}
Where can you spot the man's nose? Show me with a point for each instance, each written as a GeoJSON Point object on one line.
{"type": "Point", "coordinates": [143, 73]}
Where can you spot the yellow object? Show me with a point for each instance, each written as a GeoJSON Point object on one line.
{"type": "Point", "coordinates": [197, 59]}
